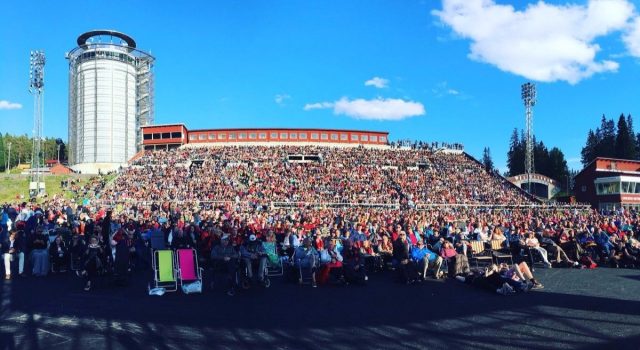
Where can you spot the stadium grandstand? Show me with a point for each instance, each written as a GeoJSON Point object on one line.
{"type": "Point", "coordinates": [322, 167]}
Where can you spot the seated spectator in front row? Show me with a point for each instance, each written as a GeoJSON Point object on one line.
{"type": "Point", "coordinates": [385, 249]}
{"type": "Point", "coordinates": [13, 248]}
{"type": "Point", "coordinates": [225, 260]}
{"type": "Point", "coordinates": [425, 260]}
{"type": "Point", "coordinates": [306, 257]}
{"type": "Point", "coordinates": [532, 242]}
{"type": "Point", "coordinates": [402, 258]}
{"type": "Point", "coordinates": [253, 253]}
{"type": "Point", "coordinates": [59, 255]}
{"type": "Point", "coordinates": [353, 264]}
{"type": "Point", "coordinates": [40, 255]}
{"type": "Point", "coordinates": [331, 260]}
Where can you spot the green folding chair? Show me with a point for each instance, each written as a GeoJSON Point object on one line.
{"type": "Point", "coordinates": [164, 271]}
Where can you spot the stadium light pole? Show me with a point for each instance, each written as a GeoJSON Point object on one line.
{"type": "Point", "coordinates": [529, 99]}
{"type": "Point", "coordinates": [36, 88]}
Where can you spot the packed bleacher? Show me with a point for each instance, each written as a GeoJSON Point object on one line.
{"type": "Point", "coordinates": [401, 214]}
{"type": "Point", "coordinates": [342, 175]}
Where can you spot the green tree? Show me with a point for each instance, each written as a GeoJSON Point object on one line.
{"type": "Point", "coordinates": [588, 152]}
{"type": "Point", "coordinates": [486, 159]}
{"type": "Point", "coordinates": [625, 146]}
{"type": "Point", "coordinates": [607, 143]}
{"type": "Point", "coordinates": [540, 158]}
{"type": "Point", "coordinates": [515, 155]}
{"type": "Point", "coordinates": [557, 166]}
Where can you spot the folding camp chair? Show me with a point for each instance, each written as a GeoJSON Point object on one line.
{"type": "Point", "coordinates": [164, 273]}
{"type": "Point", "coordinates": [188, 270]}
{"type": "Point", "coordinates": [304, 275]}
{"type": "Point", "coordinates": [499, 252]}
{"type": "Point", "coordinates": [274, 268]}
{"type": "Point", "coordinates": [479, 253]}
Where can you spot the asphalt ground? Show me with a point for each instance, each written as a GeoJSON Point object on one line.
{"type": "Point", "coordinates": [577, 309]}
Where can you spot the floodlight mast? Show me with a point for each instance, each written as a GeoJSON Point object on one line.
{"type": "Point", "coordinates": [36, 88]}
{"type": "Point", "coordinates": [529, 99]}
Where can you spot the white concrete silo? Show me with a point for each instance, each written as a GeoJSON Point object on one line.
{"type": "Point", "coordinates": [110, 97]}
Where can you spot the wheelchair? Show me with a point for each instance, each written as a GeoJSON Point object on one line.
{"type": "Point", "coordinates": [242, 275]}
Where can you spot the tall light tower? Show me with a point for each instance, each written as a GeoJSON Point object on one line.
{"type": "Point", "coordinates": [36, 88]}
{"type": "Point", "coordinates": [529, 99]}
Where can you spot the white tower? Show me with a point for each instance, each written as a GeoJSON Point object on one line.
{"type": "Point", "coordinates": [110, 97]}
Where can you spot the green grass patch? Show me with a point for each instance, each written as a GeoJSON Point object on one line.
{"type": "Point", "coordinates": [13, 186]}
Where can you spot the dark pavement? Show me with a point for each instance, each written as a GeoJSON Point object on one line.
{"type": "Point", "coordinates": [578, 309]}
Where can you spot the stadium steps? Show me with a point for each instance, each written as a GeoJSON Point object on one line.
{"type": "Point", "coordinates": [503, 179]}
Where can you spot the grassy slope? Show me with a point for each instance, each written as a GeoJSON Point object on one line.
{"type": "Point", "coordinates": [11, 185]}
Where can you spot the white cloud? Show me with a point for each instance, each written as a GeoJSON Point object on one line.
{"type": "Point", "coordinates": [632, 38]}
{"type": "Point", "coordinates": [378, 82]}
{"type": "Point", "coordinates": [544, 42]}
{"type": "Point", "coordinates": [280, 98]}
{"type": "Point", "coordinates": [4, 104]}
{"type": "Point", "coordinates": [319, 105]}
{"type": "Point", "coordinates": [442, 89]}
{"type": "Point", "coordinates": [375, 109]}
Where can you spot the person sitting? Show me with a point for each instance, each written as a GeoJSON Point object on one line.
{"type": "Point", "coordinates": [11, 250]}
{"type": "Point", "coordinates": [76, 251]}
{"type": "Point", "coordinates": [271, 248]}
{"type": "Point", "coordinates": [532, 242]}
{"type": "Point", "coordinates": [604, 244]}
{"type": "Point", "coordinates": [253, 253]}
{"type": "Point", "coordinates": [402, 258]}
{"type": "Point", "coordinates": [372, 260]}
{"type": "Point", "coordinates": [331, 261]}
{"type": "Point", "coordinates": [556, 252]}
{"type": "Point", "coordinates": [353, 264]}
{"type": "Point", "coordinates": [425, 260]}
{"type": "Point", "coordinates": [306, 257]}
{"type": "Point", "coordinates": [385, 250]}
{"type": "Point", "coordinates": [225, 261]}
{"type": "Point", "coordinates": [180, 240]}
{"type": "Point", "coordinates": [39, 255]}
{"type": "Point", "coordinates": [59, 255]}
{"type": "Point", "coordinates": [567, 241]}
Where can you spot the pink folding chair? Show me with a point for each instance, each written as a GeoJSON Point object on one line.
{"type": "Point", "coordinates": [188, 269]}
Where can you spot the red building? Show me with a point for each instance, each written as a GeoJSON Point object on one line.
{"type": "Point", "coordinates": [609, 183]}
{"type": "Point", "coordinates": [175, 135]}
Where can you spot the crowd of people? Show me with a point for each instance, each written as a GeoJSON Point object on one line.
{"type": "Point", "coordinates": [265, 175]}
{"type": "Point", "coordinates": [219, 201]}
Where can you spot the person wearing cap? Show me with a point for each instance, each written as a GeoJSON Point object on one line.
{"type": "Point", "coordinates": [253, 252]}
{"type": "Point", "coordinates": [225, 261]}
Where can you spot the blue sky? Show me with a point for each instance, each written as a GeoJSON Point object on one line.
{"type": "Point", "coordinates": [446, 70]}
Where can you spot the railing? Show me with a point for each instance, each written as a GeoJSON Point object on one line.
{"type": "Point", "coordinates": [393, 206]}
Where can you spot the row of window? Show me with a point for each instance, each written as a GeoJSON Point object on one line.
{"type": "Point", "coordinates": [106, 54]}
{"type": "Point", "coordinates": [618, 187]}
{"type": "Point", "coordinates": [287, 136]}
{"type": "Point", "coordinates": [162, 136]}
